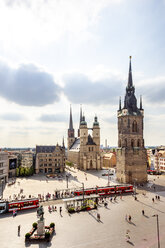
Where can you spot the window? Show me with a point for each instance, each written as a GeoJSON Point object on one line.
{"type": "Point", "coordinates": [50, 164]}
{"type": "Point", "coordinates": [134, 126]}
{"type": "Point", "coordinates": [132, 143]}
{"type": "Point", "coordinates": [41, 170]}
{"type": "Point", "coordinates": [138, 143]}
{"type": "Point", "coordinates": [45, 165]}
{"type": "Point", "coordinates": [1, 172]}
{"type": "Point", "coordinates": [50, 159]}
{"type": "Point", "coordinates": [1, 165]}
{"type": "Point", "coordinates": [41, 165]}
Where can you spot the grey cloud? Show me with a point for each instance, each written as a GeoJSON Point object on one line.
{"type": "Point", "coordinates": [12, 117]}
{"type": "Point", "coordinates": [53, 118]}
{"type": "Point", "coordinates": [80, 89]}
{"type": "Point", "coordinates": [28, 85]}
{"type": "Point", "coordinates": [155, 91]}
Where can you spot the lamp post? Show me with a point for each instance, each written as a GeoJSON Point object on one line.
{"type": "Point", "coordinates": [2, 187]}
{"type": "Point", "coordinates": [83, 193]}
{"type": "Point", "coordinates": [67, 177]}
{"type": "Point", "coordinates": [156, 215]}
{"type": "Point", "coordinates": [108, 178]}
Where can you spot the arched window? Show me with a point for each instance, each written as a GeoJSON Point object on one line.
{"type": "Point", "coordinates": [132, 143]}
{"type": "Point", "coordinates": [125, 141]}
{"type": "Point", "coordinates": [134, 126]}
{"type": "Point", "coordinates": [138, 143]}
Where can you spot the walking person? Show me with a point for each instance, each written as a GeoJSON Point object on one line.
{"type": "Point", "coordinates": [98, 217]}
{"type": "Point", "coordinates": [60, 210]}
{"type": "Point", "coordinates": [129, 218]}
{"type": "Point", "coordinates": [142, 212]}
{"type": "Point", "coordinates": [153, 200]}
{"type": "Point", "coordinates": [19, 228]}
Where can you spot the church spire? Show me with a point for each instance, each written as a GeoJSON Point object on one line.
{"type": "Point", "coordinates": [70, 120]}
{"type": "Point", "coordinates": [80, 120]}
{"type": "Point", "coordinates": [130, 83]}
{"type": "Point", "coordinates": [63, 144]}
{"type": "Point", "coordinates": [120, 103]}
{"type": "Point", "coordinates": [141, 107]}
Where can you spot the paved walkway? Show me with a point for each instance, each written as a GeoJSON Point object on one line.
{"type": "Point", "coordinates": [82, 230]}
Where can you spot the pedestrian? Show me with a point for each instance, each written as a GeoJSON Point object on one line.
{"type": "Point", "coordinates": [158, 197]}
{"type": "Point", "coordinates": [142, 212]}
{"type": "Point", "coordinates": [121, 197]}
{"type": "Point", "coordinates": [19, 228]}
{"type": "Point", "coordinates": [129, 218]}
{"type": "Point", "coordinates": [60, 210]}
{"type": "Point", "coordinates": [105, 204]}
{"type": "Point", "coordinates": [98, 216]}
{"type": "Point", "coordinates": [126, 217]}
{"type": "Point", "coordinates": [153, 200]}
{"type": "Point", "coordinates": [127, 236]}
{"type": "Point", "coordinates": [111, 199]}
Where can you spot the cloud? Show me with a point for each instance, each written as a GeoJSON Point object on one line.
{"type": "Point", "coordinates": [12, 117]}
{"type": "Point", "coordinates": [27, 85]}
{"type": "Point", "coordinates": [53, 118]}
{"type": "Point", "coordinates": [81, 89]}
{"type": "Point", "coordinates": [153, 89]}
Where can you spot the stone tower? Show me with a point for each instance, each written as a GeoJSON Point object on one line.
{"type": "Point", "coordinates": [83, 142]}
{"type": "Point", "coordinates": [131, 153]}
{"type": "Point", "coordinates": [71, 137]}
{"type": "Point", "coordinates": [96, 134]}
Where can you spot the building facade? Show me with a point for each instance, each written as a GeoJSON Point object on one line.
{"type": "Point", "coordinates": [84, 150]}
{"type": "Point", "coordinates": [131, 153]}
{"type": "Point", "coordinates": [4, 166]}
{"type": "Point", "coordinates": [50, 159]}
{"type": "Point", "coordinates": [27, 159]}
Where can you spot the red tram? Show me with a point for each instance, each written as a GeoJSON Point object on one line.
{"type": "Point", "coordinates": [109, 190]}
{"type": "Point", "coordinates": [18, 205]}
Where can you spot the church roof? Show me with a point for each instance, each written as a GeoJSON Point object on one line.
{"type": "Point", "coordinates": [90, 140]}
{"type": "Point", "coordinates": [46, 149]}
{"type": "Point", "coordinates": [76, 146]}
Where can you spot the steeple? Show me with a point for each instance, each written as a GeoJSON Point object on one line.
{"type": "Point", "coordinates": [70, 120]}
{"type": "Point", "coordinates": [70, 130]}
{"type": "Point", "coordinates": [141, 108]}
{"type": "Point", "coordinates": [80, 120]}
{"type": "Point", "coordinates": [130, 83]}
{"type": "Point", "coordinates": [120, 103]}
{"type": "Point", "coordinates": [130, 102]}
{"type": "Point", "coordinates": [63, 144]}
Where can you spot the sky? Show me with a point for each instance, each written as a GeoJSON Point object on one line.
{"type": "Point", "coordinates": [54, 53]}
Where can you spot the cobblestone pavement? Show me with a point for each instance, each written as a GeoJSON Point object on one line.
{"type": "Point", "coordinates": [82, 230]}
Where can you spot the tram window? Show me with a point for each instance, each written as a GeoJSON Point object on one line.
{"type": "Point", "coordinates": [2, 208]}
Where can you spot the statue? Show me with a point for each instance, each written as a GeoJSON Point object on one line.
{"type": "Point", "coordinates": [40, 213]}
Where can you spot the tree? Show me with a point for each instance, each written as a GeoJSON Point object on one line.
{"type": "Point", "coordinates": [17, 172]}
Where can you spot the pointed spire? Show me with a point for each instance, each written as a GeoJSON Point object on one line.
{"type": "Point", "coordinates": [120, 103]}
{"type": "Point", "coordinates": [141, 107]}
{"type": "Point", "coordinates": [63, 144]}
{"type": "Point", "coordinates": [130, 83]}
{"type": "Point", "coordinates": [71, 121]}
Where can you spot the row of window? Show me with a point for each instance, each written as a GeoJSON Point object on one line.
{"type": "Point", "coordinates": [133, 143]}
{"type": "Point", "coordinates": [1, 165]}
{"type": "Point", "coordinates": [45, 165]}
{"type": "Point", "coordinates": [49, 160]}
{"type": "Point", "coordinates": [50, 155]}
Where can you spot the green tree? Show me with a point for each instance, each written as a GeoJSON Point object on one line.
{"type": "Point", "coordinates": [22, 171]}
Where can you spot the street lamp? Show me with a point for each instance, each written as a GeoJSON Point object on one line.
{"type": "Point", "coordinates": [83, 193]}
{"type": "Point", "coordinates": [67, 177]}
{"type": "Point", "coordinates": [2, 181]}
{"type": "Point", "coordinates": [156, 215]}
{"type": "Point", "coordinates": [108, 178]}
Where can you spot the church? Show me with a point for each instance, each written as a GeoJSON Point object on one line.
{"type": "Point", "coordinates": [131, 153]}
{"type": "Point", "coordinates": [84, 150]}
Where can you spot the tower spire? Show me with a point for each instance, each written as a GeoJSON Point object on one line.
{"type": "Point", "coordinates": [80, 120]}
{"type": "Point", "coordinates": [141, 107]}
{"type": "Point", "coordinates": [120, 103]}
{"type": "Point", "coordinates": [130, 83]}
{"type": "Point", "coordinates": [70, 120]}
{"type": "Point", "coordinates": [63, 144]}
